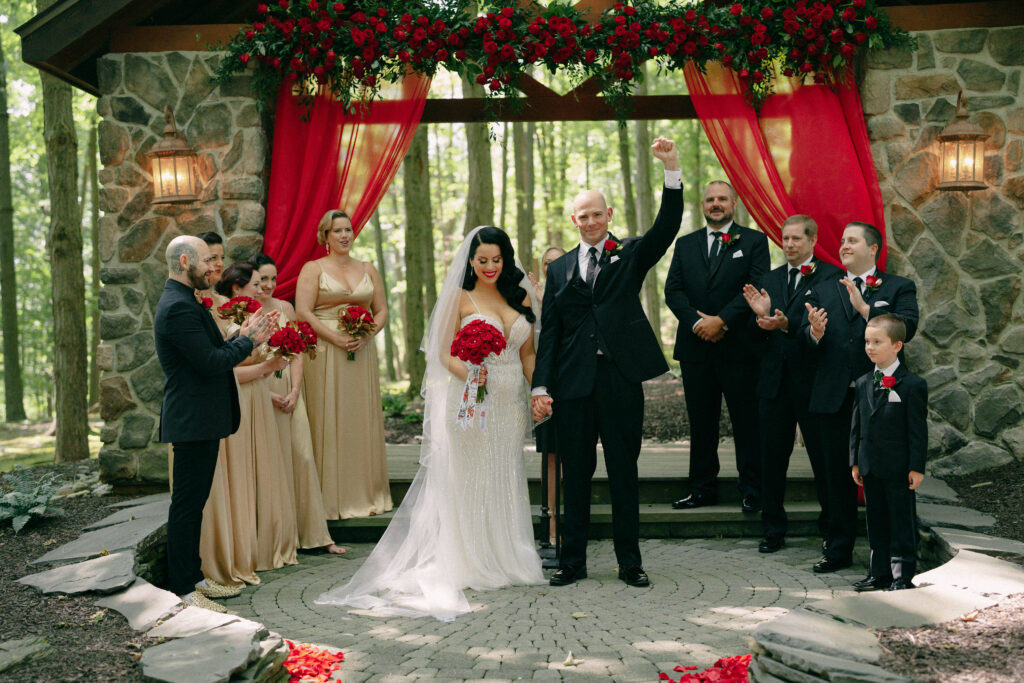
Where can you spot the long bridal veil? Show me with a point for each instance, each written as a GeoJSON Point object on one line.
{"type": "Point", "coordinates": [409, 571]}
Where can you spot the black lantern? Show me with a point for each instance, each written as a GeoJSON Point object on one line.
{"type": "Point", "coordinates": [173, 166]}
{"type": "Point", "coordinates": [963, 152]}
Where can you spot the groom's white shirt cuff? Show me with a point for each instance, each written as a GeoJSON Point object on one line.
{"type": "Point", "coordinates": [539, 391]}
{"type": "Point", "coordinates": [674, 179]}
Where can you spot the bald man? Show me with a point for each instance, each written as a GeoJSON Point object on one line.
{"type": "Point", "coordinates": [596, 348]}
{"type": "Point", "coordinates": [200, 404]}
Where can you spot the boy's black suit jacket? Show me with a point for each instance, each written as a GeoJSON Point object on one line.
{"type": "Point", "coordinates": [888, 439]}
{"type": "Point", "coordinates": [695, 284]}
{"type": "Point", "coordinates": [783, 350]}
{"type": "Point", "coordinates": [839, 355]}
{"type": "Point", "coordinates": [200, 393]}
{"type": "Point", "coordinates": [576, 320]}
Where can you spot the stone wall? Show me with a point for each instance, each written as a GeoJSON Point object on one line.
{"type": "Point", "coordinates": [227, 131]}
{"type": "Point", "coordinates": [963, 250]}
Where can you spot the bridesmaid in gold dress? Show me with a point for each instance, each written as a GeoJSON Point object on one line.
{"type": "Point", "coordinates": [343, 396]}
{"type": "Point", "coordinates": [293, 425]}
{"type": "Point", "coordinates": [249, 519]}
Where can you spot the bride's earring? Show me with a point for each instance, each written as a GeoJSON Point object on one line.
{"type": "Point", "coordinates": [328, 248]}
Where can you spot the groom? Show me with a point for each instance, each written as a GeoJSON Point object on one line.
{"type": "Point", "coordinates": [596, 348]}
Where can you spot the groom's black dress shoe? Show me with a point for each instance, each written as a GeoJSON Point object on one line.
{"type": "Point", "coordinates": [750, 504]}
{"type": "Point", "coordinates": [872, 583]}
{"type": "Point", "coordinates": [772, 544]}
{"type": "Point", "coordinates": [634, 576]}
{"type": "Point", "coordinates": [826, 565]}
{"type": "Point", "coordinates": [900, 584]}
{"type": "Point", "coordinates": [566, 575]}
{"type": "Point", "coordinates": [694, 500]}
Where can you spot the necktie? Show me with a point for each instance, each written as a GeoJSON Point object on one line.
{"type": "Point", "coordinates": [793, 272]}
{"type": "Point", "coordinates": [860, 284]}
{"type": "Point", "coordinates": [716, 246]}
{"type": "Point", "coordinates": [591, 266]}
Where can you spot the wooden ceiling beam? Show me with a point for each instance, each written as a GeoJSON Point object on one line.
{"type": "Point", "coordinates": [562, 108]}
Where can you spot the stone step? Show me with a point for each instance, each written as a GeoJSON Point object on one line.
{"type": "Point", "coordinates": [656, 521]}
{"type": "Point", "coordinates": [651, 489]}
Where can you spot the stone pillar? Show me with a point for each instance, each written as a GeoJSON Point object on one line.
{"type": "Point", "coordinates": [226, 129]}
{"type": "Point", "coordinates": [963, 250]}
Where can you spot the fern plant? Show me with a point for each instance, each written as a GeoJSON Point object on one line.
{"type": "Point", "coordinates": [25, 497]}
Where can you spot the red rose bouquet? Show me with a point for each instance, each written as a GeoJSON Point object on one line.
{"type": "Point", "coordinates": [358, 322]}
{"type": "Point", "coordinates": [238, 309]}
{"type": "Point", "coordinates": [474, 344]}
{"type": "Point", "coordinates": [308, 336]}
{"type": "Point", "coordinates": [294, 338]}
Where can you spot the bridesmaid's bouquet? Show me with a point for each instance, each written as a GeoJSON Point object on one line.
{"type": "Point", "coordinates": [474, 344]}
{"type": "Point", "coordinates": [238, 308]}
{"type": "Point", "coordinates": [356, 321]}
{"type": "Point", "coordinates": [292, 340]}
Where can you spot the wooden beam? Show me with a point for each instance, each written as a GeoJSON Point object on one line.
{"type": "Point", "coordinates": [171, 38]}
{"type": "Point", "coordinates": [476, 110]}
{"type": "Point", "coordinates": [989, 14]}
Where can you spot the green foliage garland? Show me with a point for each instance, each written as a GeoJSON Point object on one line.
{"type": "Point", "coordinates": [351, 48]}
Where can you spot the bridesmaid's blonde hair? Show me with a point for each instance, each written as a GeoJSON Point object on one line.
{"type": "Point", "coordinates": [326, 222]}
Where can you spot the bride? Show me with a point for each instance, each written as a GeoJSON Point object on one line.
{"type": "Point", "coordinates": [465, 522]}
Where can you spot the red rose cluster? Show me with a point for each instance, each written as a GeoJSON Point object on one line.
{"type": "Point", "coordinates": [888, 381]}
{"type": "Point", "coordinates": [349, 47]}
{"type": "Point", "coordinates": [238, 309]}
{"type": "Point", "coordinates": [356, 321]}
{"type": "Point", "coordinates": [287, 341]}
{"type": "Point", "coordinates": [476, 341]}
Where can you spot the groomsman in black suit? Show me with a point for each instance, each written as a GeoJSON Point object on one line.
{"type": "Point", "coordinates": [596, 349]}
{"type": "Point", "coordinates": [200, 405]}
{"type": "Point", "coordinates": [833, 329]}
{"type": "Point", "coordinates": [714, 345]}
{"type": "Point", "coordinates": [784, 385]}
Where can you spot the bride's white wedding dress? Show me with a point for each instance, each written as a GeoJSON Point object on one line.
{"type": "Point", "coordinates": [465, 522]}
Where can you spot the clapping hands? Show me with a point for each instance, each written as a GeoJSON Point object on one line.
{"type": "Point", "coordinates": [818, 317]}
{"type": "Point", "coordinates": [761, 304]}
{"type": "Point", "coordinates": [856, 298]}
{"type": "Point", "coordinates": [259, 326]}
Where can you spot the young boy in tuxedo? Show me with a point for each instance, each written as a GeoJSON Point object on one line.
{"type": "Point", "coordinates": [888, 444]}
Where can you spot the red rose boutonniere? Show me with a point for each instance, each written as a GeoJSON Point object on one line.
{"type": "Point", "coordinates": [887, 382]}
{"type": "Point", "coordinates": [612, 247]}
{"type": "Point", "coordinates": [207, 302]}
{"type": "Point", "coordinates": [729, 239]}
{"type": "Point", "coordinates": [871, 283]}
{"type": "Point", "coordinates": [808, 269]}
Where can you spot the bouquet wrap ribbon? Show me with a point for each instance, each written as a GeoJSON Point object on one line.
{"type": "Point", "coordinates": [474, 398]}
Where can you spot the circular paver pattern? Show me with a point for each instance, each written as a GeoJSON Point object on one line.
{"type": "Point", "coordinates": [706, 597]}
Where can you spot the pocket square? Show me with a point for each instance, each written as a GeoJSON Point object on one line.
{"type": "Point", "coordinates": [879, 304]}
{"type": "Point", "coordinates": [894, 397]}
{"type": "Point", "coordinates": [738, 254]}
{"type": "Point", "coordinates": [614, 259]}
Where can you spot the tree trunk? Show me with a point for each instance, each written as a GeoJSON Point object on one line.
{"type": "Point", "coordinates": [645, 213]}
{"type": "Point", "coordinates": [697, 213]}
{"type": "Point", "coordinates": [502, 213]}
{"type": "Point", "coordinates": [628, 194]}
{"type": "Point", "coordinates": [382, 267]}
{"type": "Point", "coordinates": [416, 177]}
{"type": "Point", "coordinates": [64, 248]}
{"type": "Point", "coordinates": [522, 144]}
{"type": "Point", "coordinates": [14, 401]}
{"type": "Point", "coordinates": [94, 230]}
{"type": "Point", "coordinates": [480, 197]}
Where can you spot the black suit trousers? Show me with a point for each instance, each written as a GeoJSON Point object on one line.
{"type": "Point", "coordinates": [834, 431]}
{"type": "Point", "coordinates": [892, 526]}
{"type": "Point", "coordinates": [778, 419]}
{"type": "Point", "coordinates": [704, 384]}
{"type": "Point", "coordinates": [194, 465]}
{"type": "Point", "coordinates": [614, 411]}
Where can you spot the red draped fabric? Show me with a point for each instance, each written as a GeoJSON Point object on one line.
{"type": "Point", "coordinates": [806, 152]}
{"type": "Point", "coordinates": [335, 160]}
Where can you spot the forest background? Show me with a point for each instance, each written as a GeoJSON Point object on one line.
{"type": "Point", "coordinates": [520, 176]}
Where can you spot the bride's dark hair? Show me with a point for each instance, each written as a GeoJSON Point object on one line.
{"type": "Point", "coordinates": [511, 276]}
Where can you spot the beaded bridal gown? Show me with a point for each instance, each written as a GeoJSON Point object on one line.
{"type": "Point", "coordinates": [465, 522]}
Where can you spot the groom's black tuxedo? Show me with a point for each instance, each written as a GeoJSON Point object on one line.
{"type": "Point", "coordinates": [200, 407]}
{"type": "Point", "coordinates": [784, 390]}
{"type": "Point", "coordinates": [596, 347]}
{"type": "Point", "coordinates": [839, 359]}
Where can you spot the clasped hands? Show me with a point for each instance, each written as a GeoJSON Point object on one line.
{"type": "Point", "coordinates": [710, 328]}
{"type": "Point", "coordinates": [352, 344]}
{"type": "Point", "coordinates": [541, 407]}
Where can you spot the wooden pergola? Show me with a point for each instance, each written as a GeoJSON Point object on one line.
{"type": "Point", "coordinates": [70, 36]}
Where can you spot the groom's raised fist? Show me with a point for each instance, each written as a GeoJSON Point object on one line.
{"type": "Point", "coordinates": [665, 151]}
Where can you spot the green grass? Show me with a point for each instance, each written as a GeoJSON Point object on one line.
{"type": "Point", "coordinates": [28, 445]}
